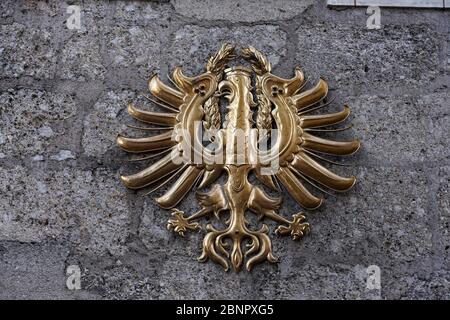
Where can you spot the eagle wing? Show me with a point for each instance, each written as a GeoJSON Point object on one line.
{"type": "Point", "coordinates": [295, 147]}
{"type": "Point", "coordinates": [186, 154]}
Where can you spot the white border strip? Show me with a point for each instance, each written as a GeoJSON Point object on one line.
{"type": "Point", "coordinates": [392, 3]}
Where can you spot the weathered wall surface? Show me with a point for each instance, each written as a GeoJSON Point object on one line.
{"type": "Point", "coordinates": [63, 95]}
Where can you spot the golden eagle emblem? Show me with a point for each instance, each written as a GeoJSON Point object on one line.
{"type": "Point", "coordinates": [276, 144]}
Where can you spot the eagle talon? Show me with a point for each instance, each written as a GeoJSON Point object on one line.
{"type": "Point", "coordinates": [179, 224]}
{"type": "Point", "coordinates": [297, 227]}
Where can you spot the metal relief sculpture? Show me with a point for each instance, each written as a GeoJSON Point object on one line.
{"type": "Point", "coordinates": [278, 147]}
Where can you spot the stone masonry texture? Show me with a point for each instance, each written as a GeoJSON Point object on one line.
{"type": "Point", "coordinates": [63, 97]}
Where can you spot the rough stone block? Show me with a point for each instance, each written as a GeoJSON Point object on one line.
{"type": "Point", "coordinates": [443, 213]}
{"type": "Point", "coordinates": [400, 129]}
{"type": "Point", "coordinates": [121, 281]}
{"type": "Point", "coordinates": [317, 281]}
{"type": "Point", "coordinates": [193, 45]}
{"type": "Point", "coordinates": [36, 271]}
{"type": "Point", "coordinates": [238, 11]}
{"type": "Point", "coordinates": [383, 220]}
{"type": "Point", "coordinates": [81, 58]}
{"type": "Point", "coordinates": [84, 207]}
{"type": "Point", "coordinates": [7, 9]}
{"type": "Point", "coordinates": [36, 122]}
{"type": "Point", "coordinates": [142, 12]}
{"type": "Point", "coordinates": [135, 48]}
{"type": "Point", "coordinates": [27, 52]}
{"type": "Point", "coordinates": [421, 285]}
{"type": "Point", "coordinates": [393, 56]}
{"type": "Point", "coordinates": [108, 118]}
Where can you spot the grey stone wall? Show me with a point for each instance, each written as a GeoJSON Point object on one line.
{"type": "Point", "coordinates": [63, 95]}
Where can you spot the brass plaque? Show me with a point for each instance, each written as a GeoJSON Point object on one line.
{"type": "Point", "coordinates": [278, 144]}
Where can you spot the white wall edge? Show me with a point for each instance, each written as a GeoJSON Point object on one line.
{"type": "Point", "coordinates": [441, 4]}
